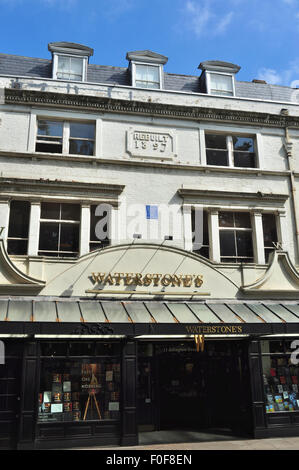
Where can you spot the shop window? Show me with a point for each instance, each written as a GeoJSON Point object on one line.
{"type": "Point", "coordinates": [227, 150]}
{"type": "Point", "coordinates": [235, 235]}
{"type": "Point", "coordinates": [220, 84]}
{"type": "Point", "coordinates": [74, 138]}
{"type": "Point", "coordinates": [147, 76]}
{"type": "Point", "coordinates": [270, 234]}
{"type": "Point", "coordinates": [69, 68]}
{"type": "Point", "coordinates": [59, 229]}
{"type": "Point", "coordinates": [99, 228]}
{"type": "Point", "coordinates": [280, 376]}
{"type": "Point", "coordinates": [200, 231]}
{"type": "Point", "coordinates": [17, 242]}
{"type": "Point", "coordinates": [79, 390]}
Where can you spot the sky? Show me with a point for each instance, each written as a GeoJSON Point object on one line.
{"type": "Point", "coordinates": [259, 35]}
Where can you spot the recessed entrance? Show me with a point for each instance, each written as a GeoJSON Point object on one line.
{"type": "Point", "coordinates": [182, 389]}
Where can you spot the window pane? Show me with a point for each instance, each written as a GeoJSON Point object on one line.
{"type": "Point", "coordinates": [221, 82]}
{"type": "Point", "coordinates": [49, 236]}
{"type": "Point", "coordinates": [242, 219]}
{"type": "Point", "coordinates": [244, 159]}
{"type": "Point", "coordinates": [141, 72]}
{"type": "Point", "coordinates": [244, 144]}
{"type": "Point", "coordinates": [82, 130]}
{"type": "Point", "coordinates": [226, 219]}
{"type": "Point", "coordinates": [147, 73]}
{"type": "Point", "coordinates": [269, 228]}
{"type": "Point", "coordinates": [70, 212]}
{"type": "Point", "coordinates": [217, 157]}
{"type": "Point", "coordinates": [76, 66]}
{"type": "Point", "coordinates": [227, 243]}
{"type": "Point", "coordinates": [17, 247]}
{"type": "Point", "coordinates": [214, 141]}
{"type": "Point", "coordinates": [19, 219]}
{"type": "Point", "coordinates": [50, 128]}
{"type": "Point", "coordinates": [244, 243]}
{"type": "Point", "coordinates": [152, 74]}
{"type": "Point", "coordinates": [81, 147]}
{"type": "Point", "coordinates": [50, 210]}
{"type": "Point", "coordinates": [63, 64]}
{"type": "Point", "coordinates": [48, 147]}
{"type": "Point", "coordinates": [69, 238]}
{"type": "Point", "coordinates": [147, 76]}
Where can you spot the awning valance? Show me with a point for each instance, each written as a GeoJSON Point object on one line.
{"type": "Point", "coordinates": [71, 316]}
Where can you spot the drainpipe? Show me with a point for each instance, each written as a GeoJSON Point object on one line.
{"type": "Point", "coordinates": [289, 151]}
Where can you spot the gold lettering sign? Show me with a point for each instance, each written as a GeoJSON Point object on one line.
{"type": "Point", "coordinates": [155, 280]}
{"type": "Point", "coordinates": [213, 329]}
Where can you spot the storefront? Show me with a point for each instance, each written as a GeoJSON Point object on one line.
{"type": "Point", "coordinates": [133, 350]}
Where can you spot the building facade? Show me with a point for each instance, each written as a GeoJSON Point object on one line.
{"type": "Point", "coordinates": [149, 251]}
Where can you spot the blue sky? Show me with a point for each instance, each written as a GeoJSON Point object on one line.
{"type": "Point", "coordinates": [259, 35]}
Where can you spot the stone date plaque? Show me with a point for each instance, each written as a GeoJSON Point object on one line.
{"type": "Point", "coordinates": [146, 143]}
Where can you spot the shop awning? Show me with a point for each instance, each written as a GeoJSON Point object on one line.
{"type": "Point", "coordinates": [69, 316]}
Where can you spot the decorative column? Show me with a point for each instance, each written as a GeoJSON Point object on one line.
{"type": "Point", "coordinates": [214, 236]}
{"type": "Point", "coordinates": [4, 220]}
{"type": "Point", "coordinates": [258, 238]}
{"type": "Point", "coordinates": [187, 227]}
{"type": "Point", "coordinates": [34, 222]}
{"type": "Point", "coordinates": [85, 229]}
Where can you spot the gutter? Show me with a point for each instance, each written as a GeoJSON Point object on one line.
{"type": "Point", "coordinates": [289, 152]}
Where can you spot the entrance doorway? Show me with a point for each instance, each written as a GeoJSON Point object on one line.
{"type": "Point", "coordinates": [182, 389]}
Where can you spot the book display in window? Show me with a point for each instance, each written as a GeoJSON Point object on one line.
{"type": "Point", "coordinates": [281, 385]}
{"type": "Point", "coordinates": [86, 392]}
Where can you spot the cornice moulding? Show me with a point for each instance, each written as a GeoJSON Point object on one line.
{"type": "Point", "coordinates": [103, 104]}
{"type": "Point", "coordinates": [230, 195]}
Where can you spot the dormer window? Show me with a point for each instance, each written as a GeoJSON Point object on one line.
{"type": "Point", "coordinates": [147, 76]}
{"type": "Point", "coordinates": [70, 68]}
{"type": "Point", "coordinates": [70, 61]}
{"type": "Point", "coordinates": [146, 69]}
{"type": "Point", "coordinates": [218, 78]}
{"type": "Point", "coordinates": [220, 84]}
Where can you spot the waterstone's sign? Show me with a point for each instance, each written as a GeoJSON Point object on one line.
{"type": "Point", "coordinates": [155, 280]}
{"type": "Point", "coordinates": [214, 329]}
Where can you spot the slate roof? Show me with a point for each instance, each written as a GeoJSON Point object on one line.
{"type": "Point", "coordinates": [42, 68]}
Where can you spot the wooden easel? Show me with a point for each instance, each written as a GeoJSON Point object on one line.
{"type": "Point", "coordinates": [92, 394]}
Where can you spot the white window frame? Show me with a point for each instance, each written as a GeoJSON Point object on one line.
{"type": "Point", "coordinates": [256, 230]}
{"type": "Point", "coordinates": [133, 68]}
{"type": "Point", "coordinates": [66, 138]}
{"type": "Point", "coordinates": [55, 66]}
{"type": "Point", "coordinates": [60, 222]}
{"type": "Point", "coordinates": [208, 84]}
{"type": "Point", "coordinates": [230, 148]}
{"type": "Point", "coordinates": [237, 229]}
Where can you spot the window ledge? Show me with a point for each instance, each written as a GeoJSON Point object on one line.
{"type": "Point", "coordinates": [141, 162]}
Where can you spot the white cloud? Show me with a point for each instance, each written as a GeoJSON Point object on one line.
{"type": "Point", "coordinates": [270, 76]}
{"type": "Point", "coordinates": [200, 18]}
{"type": "Point", "coordinates": [224, 23]}
{"type": "Point", "coordinates": [287, 77]}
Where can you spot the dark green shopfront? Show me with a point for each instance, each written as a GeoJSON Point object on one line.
{"type": "Point", "coordinates": [87, 372]}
